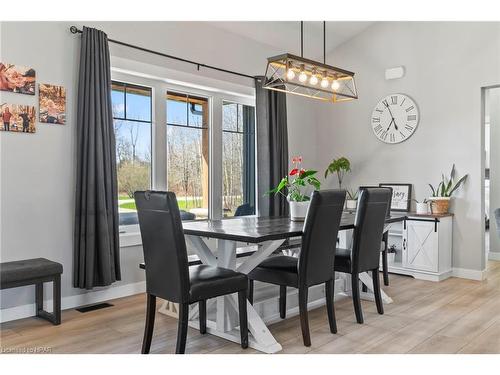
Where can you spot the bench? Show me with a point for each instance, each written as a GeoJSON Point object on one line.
{"type": "Point", "coordinates": [35, 272]}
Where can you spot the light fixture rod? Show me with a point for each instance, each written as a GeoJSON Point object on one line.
{"type": "Point", "coordinates": [324, 42]}
{"type": "Point", "coordinates": [301, 38]}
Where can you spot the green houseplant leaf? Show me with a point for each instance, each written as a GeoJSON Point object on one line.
{"type": "Point", "coordinates": [447, 186]}
{"type": "Point", "coordinates": [339, 166]}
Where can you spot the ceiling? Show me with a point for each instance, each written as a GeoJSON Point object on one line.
{"type": "Point", "coordinates": [285, 35]}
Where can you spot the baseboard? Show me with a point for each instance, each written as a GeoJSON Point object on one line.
{"type": "Point", "coordinates": [70, 302]}
{"type": "Point", "coordinates": [465, 273]}
{"type": "Point", "coordinates": [493, 256]}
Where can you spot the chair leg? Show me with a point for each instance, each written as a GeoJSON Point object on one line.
{"type": "Point", "coordinates": [356, 298]}
{"type": "Point", "coordinates": [250, 291]}
{"type": "Point", "coordinates": [376, 291]}
{"type": "Point", "coordinates": [56, 297]}
{"type": "Point", "coordinates": [304, 319]}
{"type": "Point", "coordinates": [242, 306]}
{"type": "Point", "coordinates": [282, 301]}
{"type": "Point", "coordinates": [330, 292]}
{"type": "Point", "coordinates": [203, 316]}
{"type": "Point", "coordinates": [150, 323]}
{"type": "Point", "coordinates": [182, 328]}
{"type": "Point", "coordinates": [385, 267]}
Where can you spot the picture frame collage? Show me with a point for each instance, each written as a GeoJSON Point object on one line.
{"type": "Point", "coordinates": [19, 118]}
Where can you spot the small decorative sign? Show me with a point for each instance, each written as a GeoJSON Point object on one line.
{"type": "Point", "coordinates": [401, 196]}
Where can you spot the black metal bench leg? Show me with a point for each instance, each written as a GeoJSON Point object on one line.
{"type": "Point", "coordinates": [39, 298]}
{"type": "Point", "coordinates": [282, 301]}
{"type": "Point", "coordinates": [57, 299]}
{"type": "Point", "coordinates": [55, 316]}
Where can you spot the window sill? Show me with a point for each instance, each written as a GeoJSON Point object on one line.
{"type": "Point", "coordinates": [130, 239]}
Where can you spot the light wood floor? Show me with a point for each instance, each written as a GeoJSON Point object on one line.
{"type": "Point", "coordinates": [453, 316]}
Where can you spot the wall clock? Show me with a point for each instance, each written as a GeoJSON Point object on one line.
{"type": "Point", "coordinates": [395, 118]}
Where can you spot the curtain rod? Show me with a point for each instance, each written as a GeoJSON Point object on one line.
{"type": "Point", "coordinates": [75, 30]}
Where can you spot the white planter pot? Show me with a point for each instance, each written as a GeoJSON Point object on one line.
{"type": "Point", "coordinates": [422, 209]}
{"type": "Point", "coordinates": [351, 204]}
{"type": "Point", "coordinates": [391, 257]}
{"type": "Point", "coordinates": [298, 210]}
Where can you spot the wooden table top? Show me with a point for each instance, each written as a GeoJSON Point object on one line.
{"type": "Point", "coordinates": [253, 229]}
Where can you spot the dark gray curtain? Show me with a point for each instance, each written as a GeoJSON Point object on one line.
{"type": "Point", "coordinates": [96, 243]}
{"type": "Point", "coordinates": [249, 158]}
{"type": "Point", "coordinates": [272, 148]}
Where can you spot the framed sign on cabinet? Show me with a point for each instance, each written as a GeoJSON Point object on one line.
{"type": "Point", "coordinates": [401, 196]}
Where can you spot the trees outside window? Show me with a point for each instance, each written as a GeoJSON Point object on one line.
{"type": "Point", "coordinates": [188, 153]}
{"type": "Point", "coordinates": [238, 159]}
{"type": "Point", "coordinates": [132, 119]}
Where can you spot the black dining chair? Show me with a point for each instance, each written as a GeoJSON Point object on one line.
{"type": "Point", "coordinates": [384, 249]}
{"type": "Point", "coordinates": [385, 244]}
{"type": "Point", "coordinates": [315, 262]}
{"type": "Point", "coordinates": [365, 253]}
{"type": "Point", "coordinates": [168, 275]}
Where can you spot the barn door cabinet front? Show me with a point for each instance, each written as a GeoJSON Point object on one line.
{"type": "Point", "coordinates": [427, 246]}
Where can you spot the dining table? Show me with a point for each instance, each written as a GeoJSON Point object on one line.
{"type": "Point", "coordinates": [219, 243]}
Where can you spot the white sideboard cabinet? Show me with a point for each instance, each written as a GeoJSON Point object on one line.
{"type": "Point", "coordinates": [425, 247]}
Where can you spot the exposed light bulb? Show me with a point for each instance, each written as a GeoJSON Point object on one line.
{"type": "Point", "coordinates": [324, 81]}
{"type": "Point", "coordinates": [302, 76]}
{"type": "Point", "coordinates": [290, 74]}
{"type": "Point", "coordinates": [335, 85]}
{"type": "Point", "coordinates": [313, 80]}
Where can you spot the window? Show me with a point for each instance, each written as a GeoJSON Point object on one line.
{"type": "Point", "coordinates": [132, 119]}
{"type": "Point", "coordinates": [188, 153]}
{"type": "Point", "coordinates": [238, 159]}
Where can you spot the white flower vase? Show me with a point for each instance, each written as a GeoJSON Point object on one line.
{"type": "Point", "coordinates": [298, 210]}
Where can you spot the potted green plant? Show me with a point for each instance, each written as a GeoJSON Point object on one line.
{"type": "Point", "coordinates": [294, 186]}
{"type": "Point", "coordinates": [422, 208]}
{"type": "Point", "coordinates": [352, 199]}
{"type": "Point", "coordinates": [339, 166]}
{"type": "Point", "coordinates": [441, 195]}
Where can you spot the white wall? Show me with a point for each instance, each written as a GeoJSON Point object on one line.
{"type": "Point", "coordinates": [37, 170]}
{"type": "Point", "coordinates": [446, 66]}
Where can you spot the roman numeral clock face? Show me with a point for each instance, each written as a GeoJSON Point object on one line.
{"type": "Point", "coordinates": [395, 118]}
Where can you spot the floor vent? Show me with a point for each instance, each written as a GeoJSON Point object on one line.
{"type": "Point", "coordinates": [97, 306]}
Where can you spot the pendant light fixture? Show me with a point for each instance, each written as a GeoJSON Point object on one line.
{"type": "Point", "coordinates": [300, 76]}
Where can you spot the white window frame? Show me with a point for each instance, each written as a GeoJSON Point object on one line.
{"type": "Point", "coordinates": [130, 234]}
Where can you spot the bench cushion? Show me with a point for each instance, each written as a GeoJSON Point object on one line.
{"type": "Point", "coordinates": [17, 271]}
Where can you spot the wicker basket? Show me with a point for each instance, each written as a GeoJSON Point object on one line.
{"type": "Point", "coordinates": [439, 206]}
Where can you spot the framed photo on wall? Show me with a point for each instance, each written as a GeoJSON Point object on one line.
{"type": "Point", "coordinates": [17, 78]}
{"type": "Point", "coordinates": [401, 196]}
{"type": "Point", "coordinates": [17, 118]}
{"type": "Point", "coordinates": [52, 101]}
